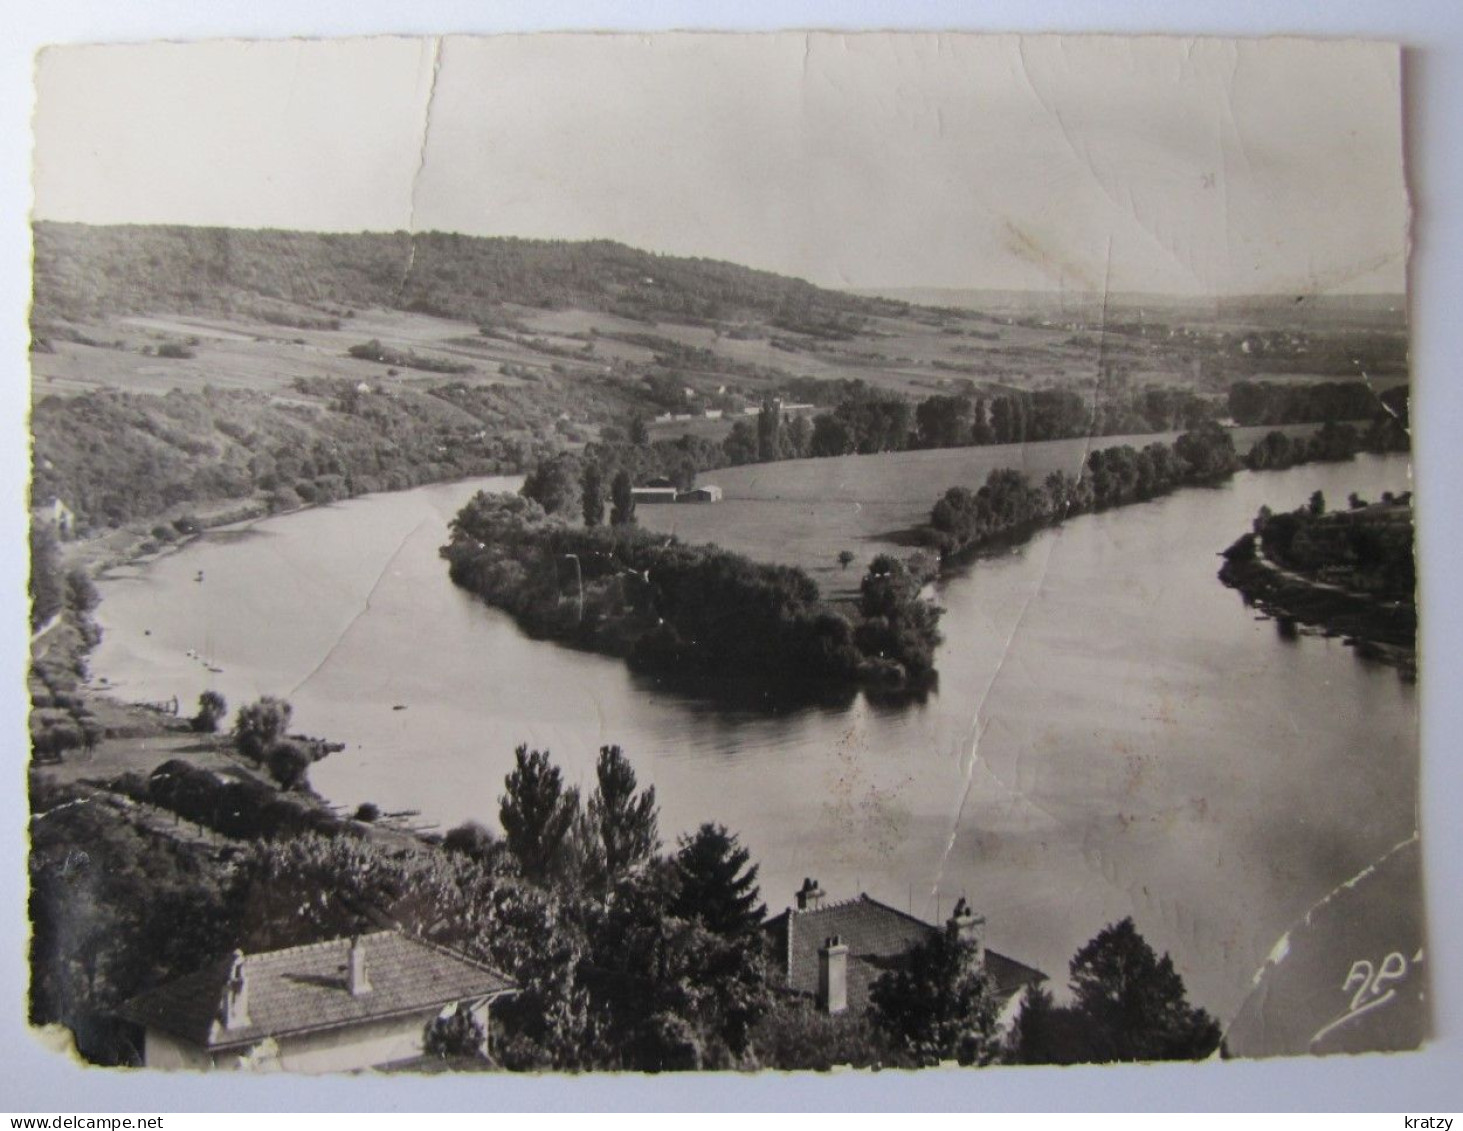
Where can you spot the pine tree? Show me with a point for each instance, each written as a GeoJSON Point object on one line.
{"type": "Point", "coordinates": [623, 827]}
{"type": "Point", "coordinates": [537, 814]}
{"type": "Point", "coordinates": [717, 885]}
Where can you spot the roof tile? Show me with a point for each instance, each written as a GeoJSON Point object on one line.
{"type": "Point", "coordinates": [303, 988]}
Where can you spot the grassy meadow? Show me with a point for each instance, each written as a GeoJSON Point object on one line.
{"type": "Point", "coordinates": [804, 512]}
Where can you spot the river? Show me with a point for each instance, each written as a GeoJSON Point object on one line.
{"type": "Point", "coordinates": [1114, 732]}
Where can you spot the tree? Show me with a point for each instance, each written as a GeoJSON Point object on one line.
{"type": "Point", "coordinates": [622, 494]}
{"type": "Point", "coordinates": [459, 1034]}
{"type": "Point", "coordinates": [717, 886]}
{"type": "Point", "coordinates": [1135, 1000]}
{"type": "Point", "coordinates": [769, 430]}
{"type": "Point", "coordinates": [211, 708]}
{"type": "Point", "coordinates": [1045, 1033]}
{"type": "Point", "coordinates": [1317, 505]}
{"type": "Point", "coordinates": [288, 763]}
{"type": "Point", "coordinates": [1209, 452]}
{"type": "Point", "coordinates": [943, 421]}
{"type": "Point", "coordinates": [845, 558]}
{"type": "Point", "coordinates": [796, 438]}
{"type": "Point", "coordinates": [675, 994]}
{"type": "Point", "coordinates": [831, 437]}
{"type": "Point", "coordinates": [740, 445]}
{"type": "Point", "coordinates": [259, 725]}
{"type": "Point", "coordinates": [592, 494]}
{"type": "Point", "coordinates": [622, 827]}
{"type": "Point", "coordinates": [537, 814]}
{"type": "Point", "coordinates": [939, 1006]}
{"type": "Point", "coordinates": [900, 626]}
{"type": "Point", "coordinates": [554, 484]}
{"type": "Point", "coordinates": [1031, 1035]}
{"type": "Point", "coordinates": [47, 591]}
{"type": "Point", "coordinates": [81, 593]}
{"type": "Point", "coordinates": [639, 433]}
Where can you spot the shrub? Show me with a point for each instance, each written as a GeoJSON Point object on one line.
{"type": "Point", "coordinates": [260, 725]}
{"type": "Point", "coordinates": [288, 763]}
{"type": "Point", "coordinates": [211, 708]}
{"type": "Point", "coordinates": [457, 1034]}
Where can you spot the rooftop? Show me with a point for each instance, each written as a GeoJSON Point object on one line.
{"type": "Point", "coordinates": [306, 989]}
{"type": "Point", "coordinates": [878, 937]}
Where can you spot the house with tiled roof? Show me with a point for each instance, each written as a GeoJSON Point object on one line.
{"type": "Point", "coordinates": [834, 952]}
{"type": "Point", "coordinates": [343, 1005]}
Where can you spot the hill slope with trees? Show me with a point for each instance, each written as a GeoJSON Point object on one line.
{"type": "Point", "coordinates": [83, 271]}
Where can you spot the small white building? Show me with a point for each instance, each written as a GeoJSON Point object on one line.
{"type": "Point", "coordinates": [345, 1005]}
{"type": "Point", "coordinates": [656, 491]}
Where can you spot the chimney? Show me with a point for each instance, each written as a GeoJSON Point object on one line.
{"type": "Point", "coordinates": [968, 927]}
{"type": "Point", "coordinates": [833, 976]}
{"type": "Point", "coordinates": [356, 979]}
{"type": "Point", "coordinates": [810, 896]}
{"type": "Point", "coordinates": [236, 994]}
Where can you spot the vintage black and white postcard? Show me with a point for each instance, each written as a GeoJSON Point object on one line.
{"type": "Point", "coordinates": [607, 553]}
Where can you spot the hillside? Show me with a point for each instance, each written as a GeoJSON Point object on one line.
{"type": "Point", "coordinates": [84, 272]}
{"type": "Point", "coordinates": [174, 367]}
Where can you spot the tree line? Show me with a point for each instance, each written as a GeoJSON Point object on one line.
{"type": "Point", "coordinates": [1010, 506]}
{"type": "Point", "coordinates": [1287, 402]}
{"type": "Point", "coordinates": [863, 420]}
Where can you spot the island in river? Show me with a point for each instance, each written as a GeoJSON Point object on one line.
{"type": "Point", "coordinates": [690, 614]}
{"type": "Point", "coordinates": [1350, 573]}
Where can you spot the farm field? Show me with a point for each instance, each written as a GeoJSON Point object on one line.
{"type": "Point", "coordinates": [915, 353]}
{"type": "Point", "coordinates": [248, 354]}
{"type": "Point", "coordinates": [804, 512]}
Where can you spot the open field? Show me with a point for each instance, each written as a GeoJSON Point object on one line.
{"type": "Point", "coordinates": [243, 353]}
{"type": "Point", "coordinates": [804, 512]}
{"type": "Point", "coordinates": [907, 354]}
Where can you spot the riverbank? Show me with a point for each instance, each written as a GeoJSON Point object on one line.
{"type": "Point", "coordinates": [1378, 629]}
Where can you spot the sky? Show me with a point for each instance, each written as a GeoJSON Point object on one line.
{"type": "Point", "coordinates": [1191, 166]}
